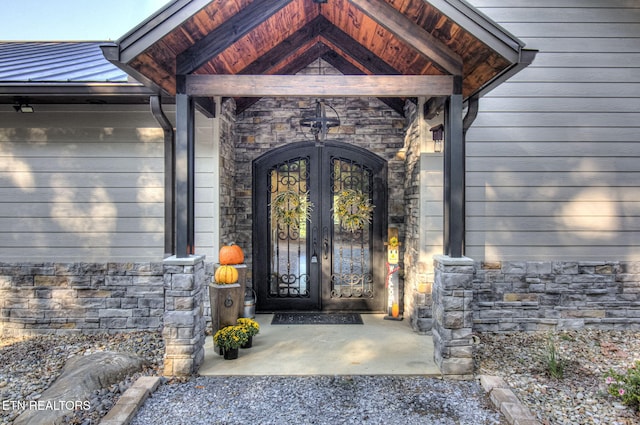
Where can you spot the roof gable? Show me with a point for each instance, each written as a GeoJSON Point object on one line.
{"type": "Point", "coordinates": [370, 37]}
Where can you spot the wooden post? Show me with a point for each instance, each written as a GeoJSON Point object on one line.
{"type": "Point", "coordinates": [454, 179]}
{"type": "Point", "coordinates": [227, 300]}
{"type": "Point", "coordinates": [185, 173]}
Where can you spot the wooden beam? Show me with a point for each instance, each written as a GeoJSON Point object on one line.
{"type": "Point", "coordinates": [299, 62]}
{"type": "Point", "coordinates": [347, 68]}
{"type": "Point", "coordinates": [454, 178]}
{"type": "Point", "coordinates": [357, 51]}
{"type": "Point", "coordinates": [185, 175]}
{"type": "Point", "coordinates": [319, 85]}
{"type": "Point", "coordinates": [296, 61]}
{"type": "Point", "coordinates": [226, 34]}
{"type": "Point", "coordinates": [302, 60]}
{"type": "Point", "coordinates": [414, 35]}
{"type": "Point", "coordinates": [287, 47]}
{"type": "Point", "coordinates": [432, 107]}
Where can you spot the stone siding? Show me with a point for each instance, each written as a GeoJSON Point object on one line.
{"type": "Point", "coordinates": [230, 215]}
{"type": "Point", "coordinates": [274, 122]}
{"type": "Point", "coordinates": [453, 316]}
{"type": "Point", "coordinates": [417, 282]}
{"type": "Point", "coordinates": [534, 296]}
{"type": "Point", "coordinates": [184, 322]}
{"type": "Point", "coordinates": [37, 298]}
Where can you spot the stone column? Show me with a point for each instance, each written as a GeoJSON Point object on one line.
{"type": "Point", "coordinates": [184, 323]}
{"type": "Point", "coordinates": [453, 316]}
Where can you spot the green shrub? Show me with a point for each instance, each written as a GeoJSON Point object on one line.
{"type": "Point", "coordinates": [625, 387]}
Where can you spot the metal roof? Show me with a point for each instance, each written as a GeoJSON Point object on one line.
{"type": "Point", "coordinates": [57, 62]}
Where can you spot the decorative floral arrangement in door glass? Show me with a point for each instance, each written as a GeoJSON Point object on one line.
{"type": "Point", "coordinates": [291, 207]}
{"type": "Point", "coordinates": [353, 209]}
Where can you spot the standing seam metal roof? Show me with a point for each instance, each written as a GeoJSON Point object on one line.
{"type": "Point", "coordinates": [57, 62]}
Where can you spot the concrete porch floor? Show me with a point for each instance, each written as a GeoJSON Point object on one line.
{"type": "Point", "coordinates": [379, 347]}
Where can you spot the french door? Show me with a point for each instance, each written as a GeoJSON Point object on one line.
{"type": "Point", "coordinates": [319, 223]}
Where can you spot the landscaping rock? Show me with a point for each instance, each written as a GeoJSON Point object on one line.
{"type": "Point", "coordinates": [81, 376]}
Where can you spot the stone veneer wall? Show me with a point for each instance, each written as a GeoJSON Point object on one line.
{"type": "Point", "coordinates": [453, 316]}
{"type": "Point", "coordinates": [37, 298]}
{"type": "Point", "coordinates": [534, 296]}
{"type": "Point", "coordinates": [183, 321]}
{"type": "Point", "coordinates": [417, 287]}
{"type": "Point", "coordinates": [515, 296]}
{"type": "Point", "coordinates": [274, 122]}
{"type": "Point", "coordinates": [230, 215]}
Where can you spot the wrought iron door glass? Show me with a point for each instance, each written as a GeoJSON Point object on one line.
{"type": "Point", "coordinates": [351, 268]}
{"type": "Point", "coordinates": [318, 263]}
{"type": "Point", "coordinates": [288, 188]}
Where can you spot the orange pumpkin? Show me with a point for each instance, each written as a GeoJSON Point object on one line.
{"type": "Point", "coordinates": [226, 275]}
{"type": "Point", "coordinates": [231, 254]}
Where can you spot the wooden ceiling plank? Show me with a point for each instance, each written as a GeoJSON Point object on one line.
{"type": "Point", "coordinates": [405, 29]}
{"type": "Point", "coordinates": [226, 34]}
{"type": "Point", "coordinates": [481, 28]}
{"type": "Point", "coordinates": [291, 44]}
{"type": "Point", "coordinates": [319, 85]}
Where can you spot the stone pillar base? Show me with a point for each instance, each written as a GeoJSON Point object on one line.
{"type": "Point", "coordinates": [184, 324]}
{"type": "Point", "coordinates": [453, 316]}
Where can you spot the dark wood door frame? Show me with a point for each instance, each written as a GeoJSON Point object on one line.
{"type": "Point", "coordinates": [321, 234]}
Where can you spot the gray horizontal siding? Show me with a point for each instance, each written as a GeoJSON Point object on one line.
{"type": "Point", "coordinates": [580, 179]}
{"type": "Point", "coordinates": [554, 156]}
{"type": "Point", "coordinates": [560, 4]}
{"type": "Point", "coordinates": [546, 224]}
{"type": "Point", "coordinates": [81, 183]}
{"type": "Point", "coordinates": [85, 183]}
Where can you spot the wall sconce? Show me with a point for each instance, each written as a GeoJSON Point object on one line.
{"type": "Point", "coordinates": [24, 108]}
{"type": "Point", "coordinates": [438, 136]}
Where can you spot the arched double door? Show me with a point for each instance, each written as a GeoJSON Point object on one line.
{"type": "Point", "coordinates": [307, 252]}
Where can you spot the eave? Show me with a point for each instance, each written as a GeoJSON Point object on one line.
{"type": "Point", "coordinates": [358, 37]}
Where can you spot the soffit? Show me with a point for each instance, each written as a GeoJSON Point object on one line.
{"type": "Point", "coordinates": [247, 37]}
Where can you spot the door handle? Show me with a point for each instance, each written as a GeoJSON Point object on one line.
{"type": "Point", "coordinates": [325, 243]}
{"type": "Point", "coordinates": [314, 256]}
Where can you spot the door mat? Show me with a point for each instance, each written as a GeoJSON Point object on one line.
{"type": "Point", "coordinates": [317, 319]}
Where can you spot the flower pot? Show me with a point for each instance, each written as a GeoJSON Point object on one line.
{"type": "Point", "coordinates": [230, 353]}
{"type": "Point", "coordinates": [248, 344]}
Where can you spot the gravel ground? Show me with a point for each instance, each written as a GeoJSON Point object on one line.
{"type": "Point", "coordinates": [318, 400]}
{"type": "Point", "coordinates": [27, 367]}
{"type": "Point", "coordinates": [580, 397]}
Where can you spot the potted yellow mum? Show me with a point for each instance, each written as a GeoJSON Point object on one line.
{"type": "Point", "coordinates": [251, 327]}
{"type": "Point", "coordinates": [230, 339]}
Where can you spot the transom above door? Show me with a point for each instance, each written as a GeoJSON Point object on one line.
{"type": "Point", "coordinates": [319, 221]}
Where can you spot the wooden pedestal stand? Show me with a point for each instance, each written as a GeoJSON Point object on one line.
{"type": "Point", "coordinates": [227, 301]}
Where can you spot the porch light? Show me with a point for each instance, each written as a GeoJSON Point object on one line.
{"type": "Point", "coordinates": [24, 108]}
{"type": "Point", "coordinates": [319, 122]}
{"type": "Point", "coordinates": [438, 136]}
